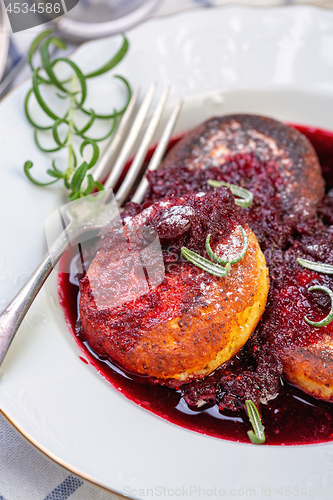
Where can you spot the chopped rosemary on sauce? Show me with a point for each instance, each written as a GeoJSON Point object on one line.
{"type": "Point", "coordinates": [319, 267]}
{"type": "Point", "coordinates": [327, 320]}
{"type": "Point", "coordinates": [258, 436]}
{"type": "Point", "coordinates": [246, 197]}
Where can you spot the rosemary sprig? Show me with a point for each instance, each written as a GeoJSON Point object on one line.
{"type": "Point", "coordinates": [74, 90]}
{"type": "Point", "coordinates": [246, 197]}
{"type": "Point", "coordinates": [215, 268]}
{"type": "Point", "coordinates": [316, 266]}
{"type": "Point", "coordinates": [258, 436]}
{"type": "Point", "coordinates": [218, 259]}
{"type": "Point", "coordinates": [327, 320]}
{"type": "Point", "coordinates": [206, 265]}
{"type": "Point", "coordinates": [319, 267]}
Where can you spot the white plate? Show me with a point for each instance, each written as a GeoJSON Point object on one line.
{"type": "Point", "coordinates": [276, 61]}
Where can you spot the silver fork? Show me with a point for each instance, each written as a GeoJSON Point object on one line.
{"type": "Point", "coordinates": [84, 216]}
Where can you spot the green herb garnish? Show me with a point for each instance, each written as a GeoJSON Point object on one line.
{"type": "Point", "coordinates": [258, 436]}
{"type": "Point", "coordinates": [316, 266]}
{"type": "Point", "coordinates": [239, 257]}
{"type": "Point", "coordinates": [74, 91]}
{"type": "Point", "coordinates": [215, 267]}
{"type": "Point", "coordinates": [327, 320]}
{"type": "Point", "coordinates": [206, 265]}
{"type": "Point", "coordinates": [319, 267]}
{"type": "Point", "coordinates": [246, 197]}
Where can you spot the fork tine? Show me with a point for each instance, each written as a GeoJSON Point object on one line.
{"type": "Point", "coordinates": [129, 143]}
{"type": "Point", "coordinates": [105, 164]}
{"type": "Point", "coordinates": [132, 174]}
{"type": "Point", "coordinates": [159, 152]}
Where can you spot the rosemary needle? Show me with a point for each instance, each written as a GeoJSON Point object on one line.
{"type": "Point", "coordinates": [216, 267]}
{"type": "Point", "coordinates": [245, 197]}
{"type": "Point", "coordinates": [257, 436]}
{"type": "Point", "coordinates": [319, 267]}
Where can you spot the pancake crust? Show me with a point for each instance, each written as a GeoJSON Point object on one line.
{"type": "Point", "coordinates": [306, 351]}
{"type": "Point", "coordinates": [219, 139]}
{"type": "Point", "coordinates": [175, 342]}
{"type": "Point", "coordinates": [196, 343]}
{"type": "Point", "coordinates": [311, 368]}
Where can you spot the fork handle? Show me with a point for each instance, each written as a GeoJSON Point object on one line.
{"type": "Point", "coordinates": [13, 315]}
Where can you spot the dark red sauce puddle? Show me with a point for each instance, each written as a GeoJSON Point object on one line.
{"type": "Point", "coordinates": [292, 418]}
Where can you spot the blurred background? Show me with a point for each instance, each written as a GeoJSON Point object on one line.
{"type": "Point", "coordinates": [87, 20]}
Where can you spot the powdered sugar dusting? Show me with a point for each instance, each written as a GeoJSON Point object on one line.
{"type": "Point", "coordinates": [231, 246]}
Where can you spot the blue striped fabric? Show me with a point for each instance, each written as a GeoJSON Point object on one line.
{"type": "Point", "coordinates": [65, 489]}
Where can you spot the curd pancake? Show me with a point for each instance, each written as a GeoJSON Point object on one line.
{"type": "Point", "coordinates": [193, 321]}
{"type": "Point", "coordinates": [311, 368]}
{"type": "Point", "coordinates": [306, 351]}
{"type": "Point", "coordinates": [274, 161]}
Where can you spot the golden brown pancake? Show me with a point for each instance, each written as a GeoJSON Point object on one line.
{"type": "Point", "coordinates": [193, 321]}
{"type": "Point", "coordinates": [311, 368]}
